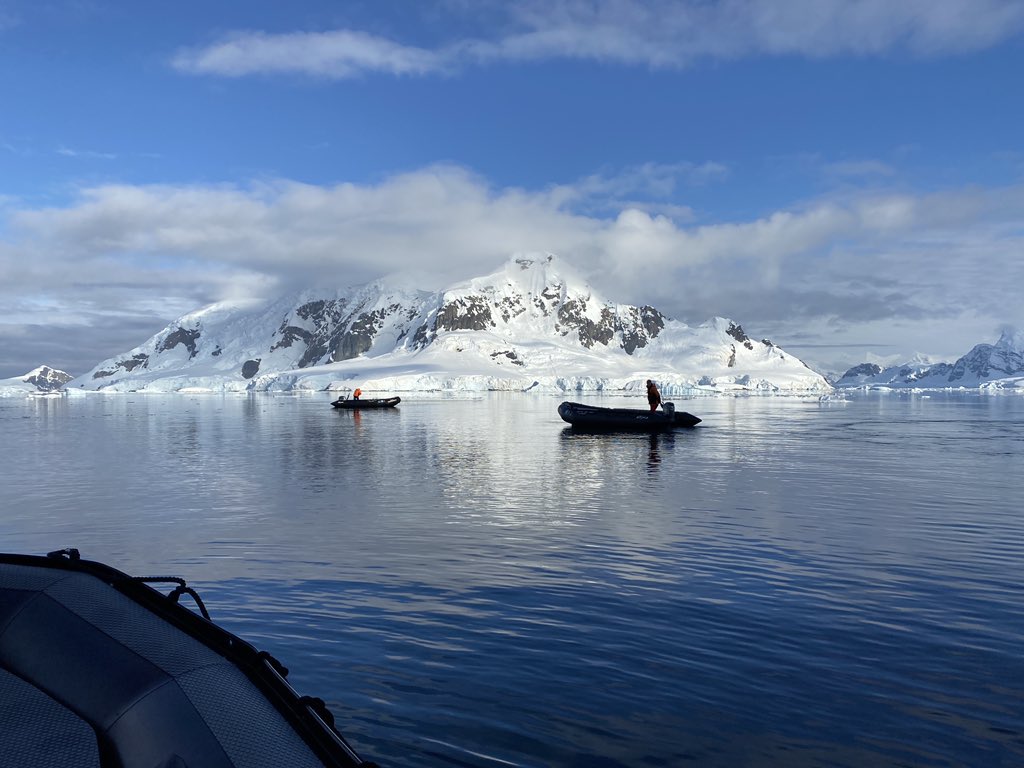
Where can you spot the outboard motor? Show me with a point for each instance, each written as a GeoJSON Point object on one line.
{"type": "Point", "coordinates": [670, 410]}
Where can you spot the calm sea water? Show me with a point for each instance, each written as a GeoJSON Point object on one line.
{"type": "Point", "coordinates": [469, 583]}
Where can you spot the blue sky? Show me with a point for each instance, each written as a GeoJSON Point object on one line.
{"type": "Point", "coordinates": [845, 178]}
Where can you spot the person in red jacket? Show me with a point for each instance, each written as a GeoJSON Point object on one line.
{"type": "Point", "coordinates": [357, 393]}
{"type": "Point", "coordinates": [653, 395]}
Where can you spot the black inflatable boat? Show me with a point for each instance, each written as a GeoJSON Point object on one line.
{"type": "Point", "coordinates": [100, 670]}
{"type": "Point", "coordinates": [592, 417]}
{"type": "Point", "coordinates": [371, 402]}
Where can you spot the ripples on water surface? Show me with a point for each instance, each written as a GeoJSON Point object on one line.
{"type": "Point", "coordinates": [469, 583]}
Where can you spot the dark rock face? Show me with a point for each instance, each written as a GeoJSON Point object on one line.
{"type": "Point", "coordinates": [188, 337]}
{"type": "Point", "coordinates": [973, 362]}
{"type": "Point", "coordinates": [343, 329]}
{"type": "Point", "coordinates": [250, 368]}
{"type": "Point", "coordinates": [315, 310]}
{"type": "Point", "coordinates": [510, 354]}
{"type": "Point", "coordinates": [638, 325]}
{"type": "Point", "coordinates": [358, 338]}
{"type": "Point", "coordinates": [346, 343]}
{"type": "Point", "coordinates": [864, 369]}
{"type": "Point", "coordinates": [289, 335]}
{"type": "Point", "coordinates": [510, 306]}
{"type": "Point", "coordinates": [652, 320]}
{"type": "Point", "coordinates": [548, 299]}
{"type": "Point", "coordinates": [325, 316]}
{"type": "Point", "coordinates": [939, 369]}
{"type": "Point", "coordinates": [465, 314]}
{"type": "Point", "coordinates": [48, 379]}
{"type": "Point", "coordinates": [1008, 361]}
{"type": "Point", "coordinates": [645, 323]}
{"type": "Point", "coordinates": [135, 361]}
{"type": "Point", "coordinates": [338, 332]}
{"type": "Point", "coordinates": [423, 336]}
{"type": "Point", "coordinates": [129, 364]}
{"type": "Point", "coordinates": [572, 315]}
{"type": "Point", "coordinates": [736, 331]}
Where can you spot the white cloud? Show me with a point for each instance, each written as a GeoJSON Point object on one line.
{"type": "Point", "coordinates": [334, 54]}
{"type": "Point", "coordinates": [671, 33]}
{"type": "Point", "coordinates": [661, 34]}
{"type": "Point", "coordinates": [642, 187]}
{"type": "Point", "coordinates": [85, 153]}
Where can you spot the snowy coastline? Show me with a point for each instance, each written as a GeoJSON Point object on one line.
{"type": "Point", "coordinates": [529, 327]}
{"type": "Point", "coordinates": [438, 385]}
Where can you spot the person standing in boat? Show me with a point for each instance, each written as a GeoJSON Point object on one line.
{"type": "Point", "coordinates": [357, 393]}
{"type": "Point", "coordinates": [653, 395]}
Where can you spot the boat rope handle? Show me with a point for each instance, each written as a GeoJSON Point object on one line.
{"type": "Point", "coordinates": [181, 589]}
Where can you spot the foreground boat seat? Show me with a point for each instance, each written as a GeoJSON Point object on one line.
{"type": "Point", "coordinates": [88, 677]}
{"type": "Point", "coordinates": [39, 732]}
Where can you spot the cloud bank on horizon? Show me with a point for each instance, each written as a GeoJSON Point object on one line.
{"type": "Point", "coordinates": [875, 244]}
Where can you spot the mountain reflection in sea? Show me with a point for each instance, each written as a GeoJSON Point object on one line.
{"type": "Point", "coordinates": [470, 582]}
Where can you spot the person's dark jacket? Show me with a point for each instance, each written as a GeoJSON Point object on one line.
{"type": "Point", "coordinates": [653, 395]}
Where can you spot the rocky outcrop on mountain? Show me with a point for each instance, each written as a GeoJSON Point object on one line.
{"type": "Point", "coordinates": [985, 362]}
{"type": "Point", "coordinates": [184, 336]}
{"type": "Point", "coordinates": [531, 318]}
{"type": "Point", "coordinates": [862, 372]}
{"type": "Point", "coordinates": [47, 379]}
{"type": "Point", "coordinates": [41, 380]}
{"type": "Point", "coordinates": [466, 313]}
{"type": "Point", "coordinates": [984, 365]}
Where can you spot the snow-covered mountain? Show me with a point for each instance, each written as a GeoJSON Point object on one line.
{"type": "Point", "coordinates": [989, 366]}
{"type": "Point", "coordinates": [531, 324]}
{"type": "Point", "coordinates": [42, 380]}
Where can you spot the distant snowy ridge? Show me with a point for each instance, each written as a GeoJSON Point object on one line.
{"type": "Point", "coordinates": [998, 366]}
{"type": "Point", "coordinates": [42, 380]}
{"type": "Point", "coordinates": [530, 325]}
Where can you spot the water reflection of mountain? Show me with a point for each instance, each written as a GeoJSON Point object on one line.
{"type": "Point", "coordinates": [279, 479]}
{"type": "Point", "coordinates": [601, 457]}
